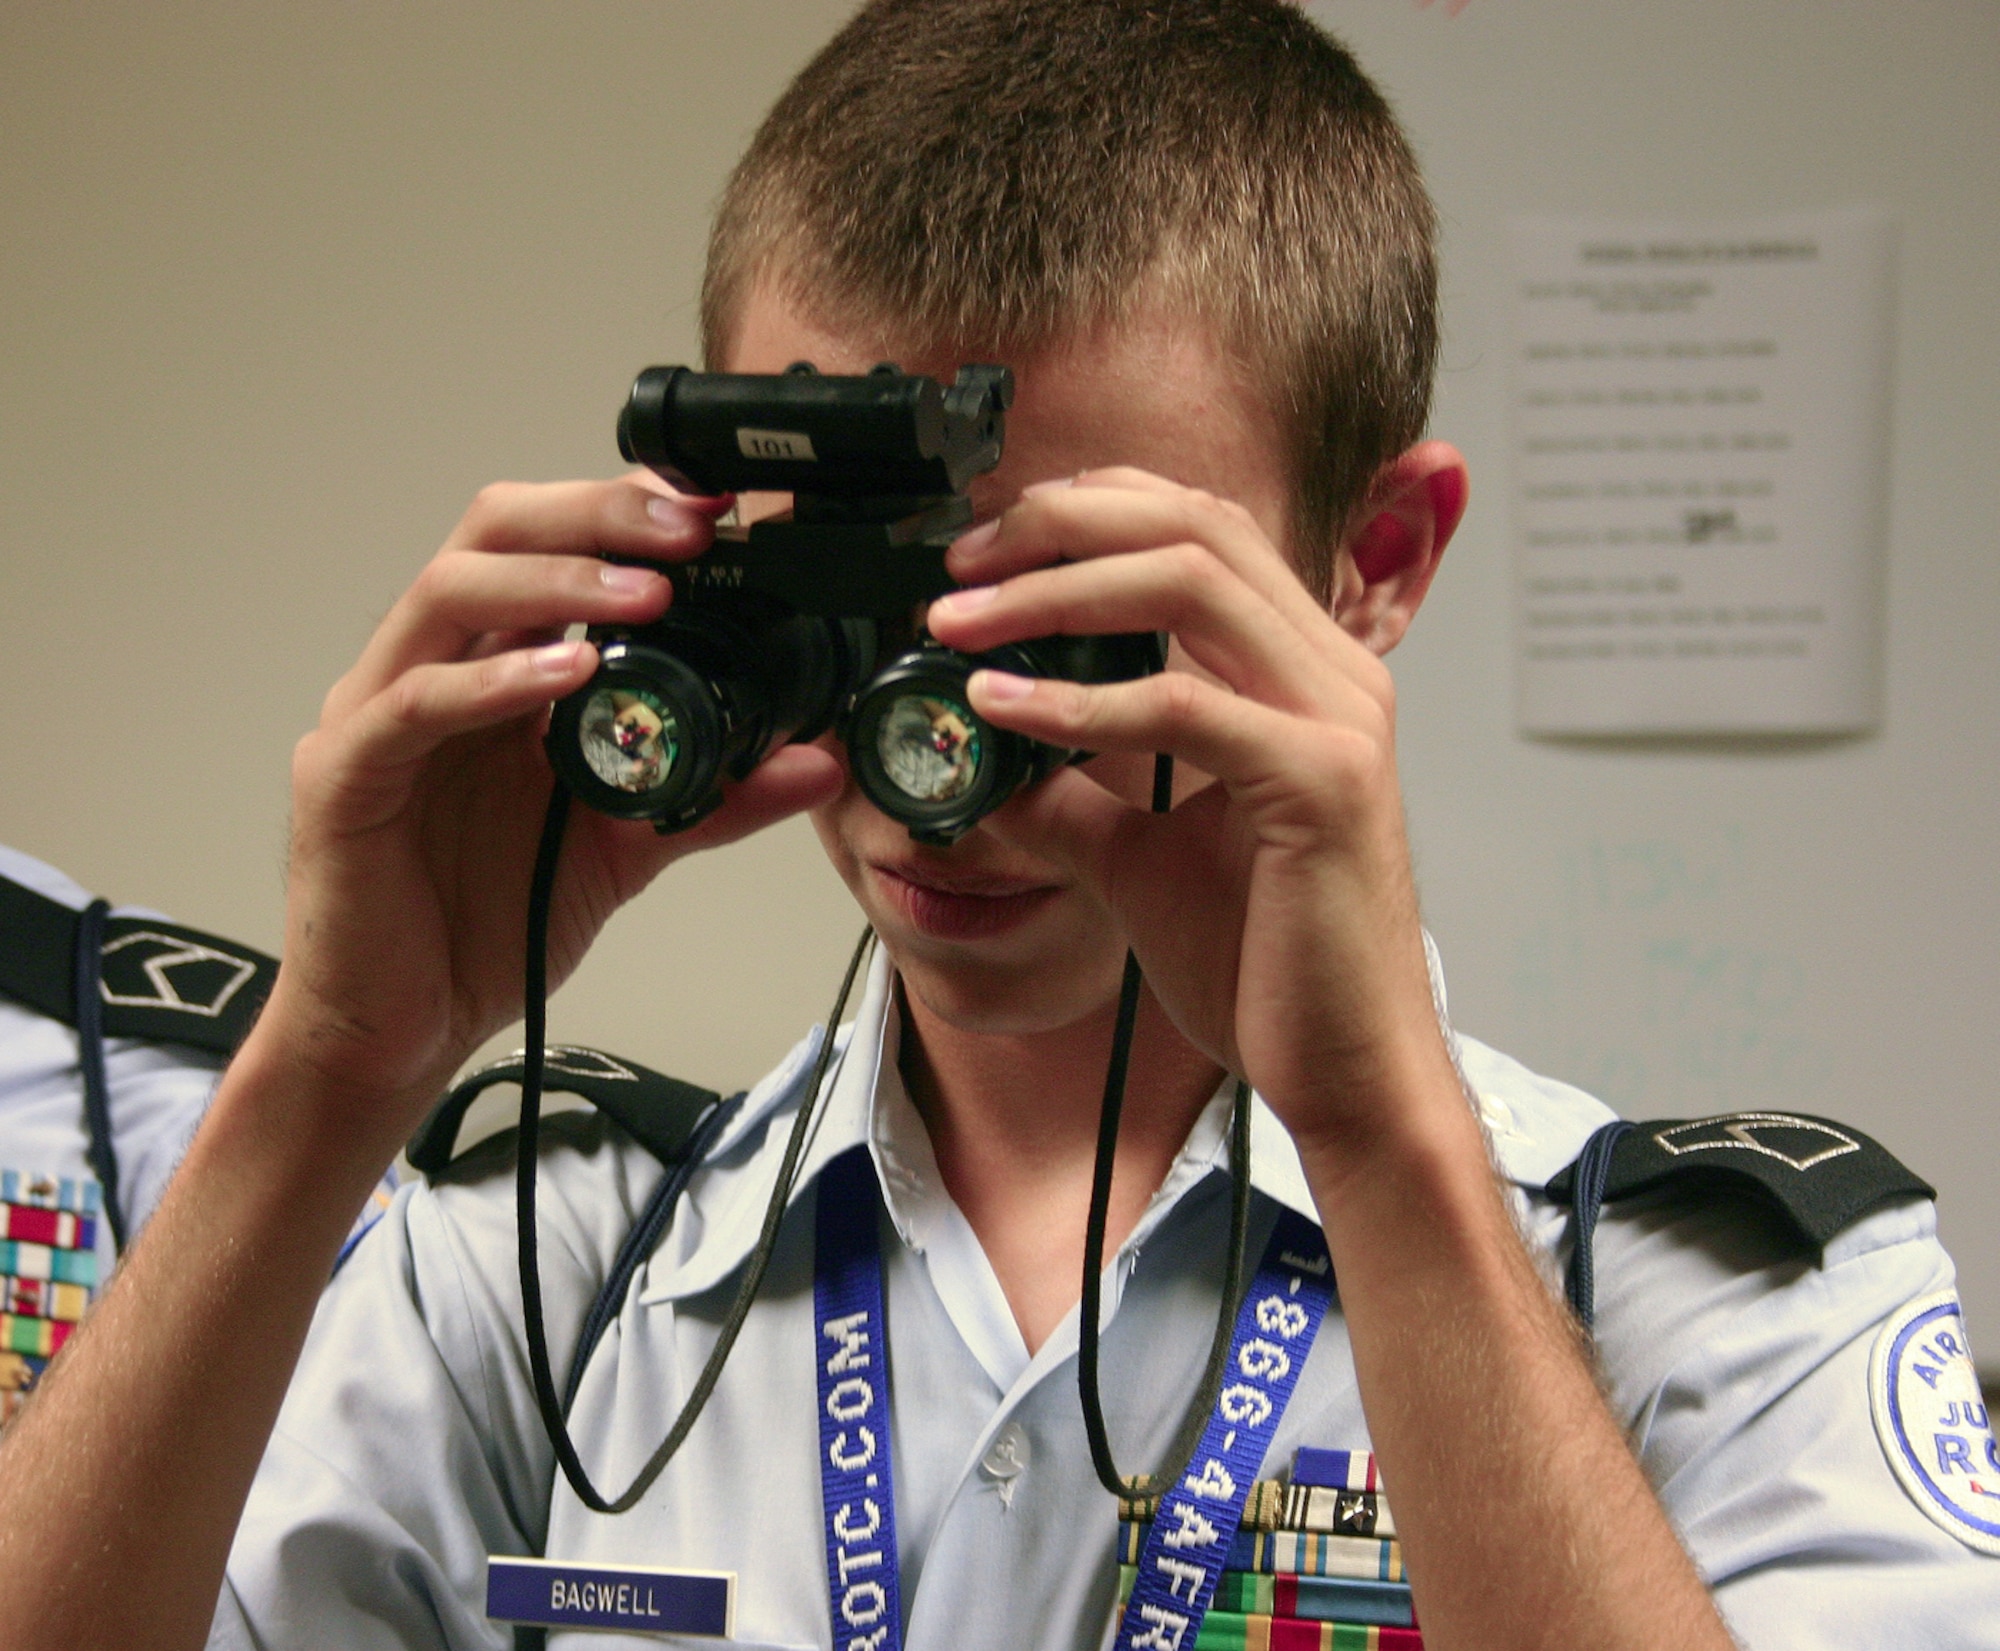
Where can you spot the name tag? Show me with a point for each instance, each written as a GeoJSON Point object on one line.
{"type": "Point", "coordinates": [640, 1599]}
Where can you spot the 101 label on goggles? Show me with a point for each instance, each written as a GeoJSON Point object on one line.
{"type": "Point", "coordinates": [641, 1599]}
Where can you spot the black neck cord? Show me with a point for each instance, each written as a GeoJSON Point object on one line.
{"type": "Point", "coordinates": [528, 1141]}
{"type": "Point", "coordinates": [89, 981]}
{"type": "Point", "coordinates": [1181, 1452]}
{"type": "Point", "coordinates": [527, 1145]}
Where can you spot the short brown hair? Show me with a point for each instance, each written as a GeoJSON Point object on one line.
{"type": "Point", "coordinates": [1006, 174]}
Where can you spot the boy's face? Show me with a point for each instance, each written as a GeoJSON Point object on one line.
{"type": "Point", "coordinates": [991, 938]}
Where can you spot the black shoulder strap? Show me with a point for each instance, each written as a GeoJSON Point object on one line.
{"type": "Point", "coordinates": [124, 977]}
{"type": "Point", "coordinates": [663, 1114]}
{"type": "Point", "coordinates": [157, 980]}
{"type": "Point", "coordinates": [1820, 1177]}
{"type": "Point", "coordinates": [87, 964]}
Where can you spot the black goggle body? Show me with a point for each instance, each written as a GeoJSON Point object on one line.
{"type": "Point", "coordinates": [791, 627]}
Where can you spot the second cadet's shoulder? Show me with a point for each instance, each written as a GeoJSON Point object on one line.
{"type": "Point", "coordinates": [157, 981]}
{"type": "Point", "coordinates": [172, 1003]}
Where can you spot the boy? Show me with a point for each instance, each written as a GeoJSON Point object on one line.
{"type": "Point", "coordinates": [1194, 231]}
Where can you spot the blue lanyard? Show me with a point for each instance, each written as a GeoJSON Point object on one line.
{"type": "Point", "coordinates": [851, 1359]}
{"type": "Point", "coordinates": [1197, 1520]}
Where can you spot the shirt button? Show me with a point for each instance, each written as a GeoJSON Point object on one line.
{"type": "Point", "coordinates": [1006, 1459]}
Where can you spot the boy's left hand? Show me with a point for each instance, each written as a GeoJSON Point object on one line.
{"type": "Point", "coordinates": [1273, 912]}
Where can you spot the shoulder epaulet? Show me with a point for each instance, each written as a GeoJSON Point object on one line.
{"type": "Point", "coordinates": [1820, 1176]}
{"type": "Point", "coordinates": [663, 1114]}
{"type": "Point", "coordinates": [160, 981]}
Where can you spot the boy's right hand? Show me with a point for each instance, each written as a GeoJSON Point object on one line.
{"type": "Point", "coordinates": [418, 801]}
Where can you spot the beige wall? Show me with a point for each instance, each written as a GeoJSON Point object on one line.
{"type": "Point", "coordinates": [280, 286]}
{"type": "Point", "coordinates": [283, 285]}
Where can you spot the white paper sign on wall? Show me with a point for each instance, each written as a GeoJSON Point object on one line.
{"type": "Point", "coordinates": [1700, 436]}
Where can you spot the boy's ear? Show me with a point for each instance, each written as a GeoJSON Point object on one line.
{"type": "Point", "coordinates": [1384, 564]}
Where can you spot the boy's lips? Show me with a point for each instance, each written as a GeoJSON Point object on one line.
{"type": "Point", "coordinates": [961, 905]}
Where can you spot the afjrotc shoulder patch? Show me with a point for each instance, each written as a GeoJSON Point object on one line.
{"type": "Point", "coordinates": [48, 1272]}
{"type": "Point", "coordinates": [1932, 1420]}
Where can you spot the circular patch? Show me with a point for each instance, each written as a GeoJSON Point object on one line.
{"type": "Point", "coordinates": [1932, 1420]}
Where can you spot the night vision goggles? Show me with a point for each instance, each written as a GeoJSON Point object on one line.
{"type": "Point", "coordinates": [812, 620]}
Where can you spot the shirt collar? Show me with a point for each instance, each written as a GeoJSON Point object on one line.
{"type": "Point", "coordinates": [866, 1103]}
{"type": "Point", "coordinates": [733, 1188]}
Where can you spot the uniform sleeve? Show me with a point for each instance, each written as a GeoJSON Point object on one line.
{"type": "Point", "coordinates": [159, 1093]}
{"type": "Point", "coordinates": [409, 1446]}
{"type": "Point", "coordinates": [1741, 1365]}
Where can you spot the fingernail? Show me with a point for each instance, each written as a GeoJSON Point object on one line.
{"type": "Point", "coordinates": [1051, 486]}
{"type": "Point", "coordinates": [978, 539]}
{"type": "Point", "coordinates": [1001, 686]}
{"type": "Point", "coordinates": [958, 603]}
{"type": "Point", "coordinates": [670, 516]}
{"type": "Point", "coordinates": [557, 659]}
{"type": "Point", "coordinates": [628, 581]}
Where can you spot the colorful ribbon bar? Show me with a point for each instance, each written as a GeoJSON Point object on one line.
{"type": "Point", "coordinates": [1233, 1631]}
{"type": "Point", "coordinates": [1317, 1598]}
{"type": "Point", "coordinates": [59, 1229]}
{"type": "Point", "coordinates": [38, 1298]}
{"type": "Point", "coordinates": [38, 1338]}
{"type": "Point", "coordinates": [1296, 1553]}
{"type": "Point", "coordinates": [1337, 1469]}
{"type": "Point", "coordinates": [39, 1261]}
{"type": "Point", "coordinates": [48, 1192]}
{"type": "Point", "coordinates": [1336, 1512]}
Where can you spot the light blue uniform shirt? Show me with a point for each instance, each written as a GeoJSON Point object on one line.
{"type": "Point", "coordinates": [410, 1447]}
{"type": "Point", "coordinates": [158, 1091]}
